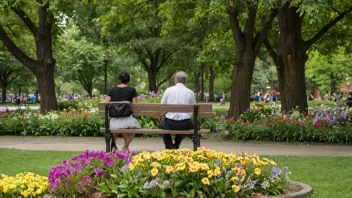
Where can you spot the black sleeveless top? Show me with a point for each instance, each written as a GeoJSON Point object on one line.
{"type": "Point", "coordinates": [122, 93]}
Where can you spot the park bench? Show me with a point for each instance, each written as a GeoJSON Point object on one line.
{"type": "Point", "coordinates": [198, 110]}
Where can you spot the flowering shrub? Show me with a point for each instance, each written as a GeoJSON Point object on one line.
{"type": "Point", "coordinates": [80, 174]}
{"type": "Point", "coordinates": [64, 123]}
{"type": "Point", "coordinates": [322, 124]}
{"type": "Point", "coordinates": [204, 173]}
{"type": "Point", "coordinates": [23, 185]}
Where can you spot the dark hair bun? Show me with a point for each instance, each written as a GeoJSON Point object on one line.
{"type": "Point", "coordinates": [124, 77]}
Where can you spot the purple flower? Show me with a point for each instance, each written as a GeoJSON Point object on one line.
{"type": "Point", "coordinates": [109, 161]}
{"type": "Point", "coordinates": [67, 171]}
{"type": "Point", "coordinates": [87, 179]}
{"type": "Point", "coordinates": [265, 184]}
{"type": "Point", "coordinates": [146, 185]}
{"type": "Point", "coordinates": [165, 184]}
{"type": "Point", "coordinates": [250, 183]}
{"type": "Point", "coordinates": [99, 172]}
{"type": "Point", "coordinates": [275, 172]}
{"type": "Point", "coordinates": [153, 183]}
{"type": "Point", "coordinates": [55, 184]}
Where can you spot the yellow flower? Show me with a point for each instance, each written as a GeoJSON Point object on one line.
{"type": "Point", "coordinates": [237, 171]}
{"type": "Point", "coordinates": [234, 179]}
{"type": "Point", "coordinates": [155, 165]}
{"type": "Point", "coordinates": [180, 166]}
{"type": "Point", "coordinates": [169, 169]}
{"type": "Point", "coordinates": [201, 149]}
{"type": "Point", "coordinates": [210, 173]}
{"type": "Point", "coordinates": [257, 171]}
{"type": "Point", "coordinates": [273, 163]}
{"type": "Point", "coordinates": [131, 166]}
{"type": "Point", "coordinates": [217, 171]}
{"type": "Point", "coordinates": [204, 166]}
{"type": "Point", "coordinates": [235, 188]}
{"type": "Point", "coordinates": [193, 169]}
{"type": "Point", "coordinates": [242, 179]}
{"type": "Point", "coordinates": [205, 181]}
{"type": "Point", "coordinates": [156, 155]}
{"type": "Point", "coordinates": [154, 172]}
{"type": "Point", "coordinates": [146, 156]}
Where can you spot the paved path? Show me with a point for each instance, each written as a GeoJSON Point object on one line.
{"type": "Point", "coordinates": [143, 144]}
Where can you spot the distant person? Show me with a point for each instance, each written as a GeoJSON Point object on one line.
{"type": "Point", "coordinates": [311, 96]}
{"type": "Point", "coordinates": [326, 96]}
{"type": "Point", "coordinates": [274, 96]}
{"type": "Point", "coordinates": [178, 94]}
{"type": "Point", "coordinates": [348, 101]}
{"type": "Point", "coordinates": [122, 92]}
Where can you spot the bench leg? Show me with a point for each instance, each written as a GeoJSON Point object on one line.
{"type": "Point", "coordinates": [196, 142]}
{"type": "Point", "coordinates": [107, 141]}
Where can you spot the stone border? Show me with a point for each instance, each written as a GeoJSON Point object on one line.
{"type": "Point", "coordinates": [306, 190]}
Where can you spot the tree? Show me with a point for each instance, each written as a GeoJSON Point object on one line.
{"type": "Point", "coordinates": [329, 71]}
{"type": "Point", "coordinates": [43, 65]}
{"type": "Point", "coordinates": [248, 30]}
{"type": "Point", "coordinates": [80, 60]}
{"type": "Point", "coordinates": [315, 18]}
{"type": "Point", "coordinates": [9, 70]}
{"type": "Point", "coordinates": [136, 26]}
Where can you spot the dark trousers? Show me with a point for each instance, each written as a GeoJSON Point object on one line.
{"type": "Point", "coordinates": [169, 124]}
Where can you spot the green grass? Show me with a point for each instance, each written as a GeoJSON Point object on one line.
{"type": "Point", "coordinates": [329, 176]}
{"type": "Point", "coordinates": [13, 161]}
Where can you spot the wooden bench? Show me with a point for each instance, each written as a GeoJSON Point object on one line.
{"type": "Point", "coordinates": [198, 110]}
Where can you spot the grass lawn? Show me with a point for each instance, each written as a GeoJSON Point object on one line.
{"type": "Point", "coordinates": [329, 176]}
{"type": "Point", "coordinates": [14, 161]}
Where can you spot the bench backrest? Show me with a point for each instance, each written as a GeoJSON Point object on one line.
{"type": "Point", "coordinates": [152, 109]}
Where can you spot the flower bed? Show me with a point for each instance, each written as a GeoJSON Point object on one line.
{"type": "Point", "coordinates": [320, 125]}
{"type": "Point", "coordinates": [23, 185]}
{"type": "Point", "coordinates": [204, 173]}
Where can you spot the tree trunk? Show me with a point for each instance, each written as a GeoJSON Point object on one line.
{"type": "Point", "coordinates": [196, 82]}
{"type": "Point", "coordinates": [211, 84]}
{"type": "Point", "coordinates": [46, 85]}
{"type": "Point", "coordinates": [293, 52]}
{"type": "Point", "coordinates": [3, 99]}
{"type": "Point", "coordinates": [241, 83]}
{"type": "Point", "coordinates": [152, 80]}
{"type": "Point", "coordinates": [333, 83]}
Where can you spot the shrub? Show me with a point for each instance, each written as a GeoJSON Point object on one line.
{"type": "Point", "coordinates": [23, 185]}
{"type": "Point", "coordinates": [69, 104]}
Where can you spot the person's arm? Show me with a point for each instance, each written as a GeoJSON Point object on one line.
{"type": "Point", "coordinates": [134, 100]}
{"type": "Point", "coordinates": [108, 99]}
{"type": "Point", "coordinates": [193, 99]}
{"type": "Point", "coordinates": [164, 98]}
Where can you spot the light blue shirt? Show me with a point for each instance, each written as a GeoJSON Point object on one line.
{"type": "Point", "coordinates": [178, 94]}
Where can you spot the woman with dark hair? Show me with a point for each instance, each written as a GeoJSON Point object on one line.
{"type": "Point", "coordinates": [123, 93]}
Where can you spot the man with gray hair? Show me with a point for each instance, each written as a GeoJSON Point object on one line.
{"type": "Point", "coordinates": [178, 94]}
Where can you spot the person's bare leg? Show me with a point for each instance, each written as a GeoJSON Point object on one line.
{"type": "Point", "coordinates": [128, 139]}
{"type": "Point", "coordinates": [115, 138]}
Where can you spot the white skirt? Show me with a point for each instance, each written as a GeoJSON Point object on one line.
{"type": "Point", "coordinates": [124, 123]}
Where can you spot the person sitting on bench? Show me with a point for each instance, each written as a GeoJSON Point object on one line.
{"type": "Point", "coordinates": [178, 94]}
{"type": "Point", "coordinates": [123, 93]}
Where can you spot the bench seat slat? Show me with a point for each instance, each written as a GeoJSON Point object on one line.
{"type": "Point", "coordinates": [156, 131]}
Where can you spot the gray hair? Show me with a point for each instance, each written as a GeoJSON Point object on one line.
{"type": "Point", "coordinates": [181, 77]}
